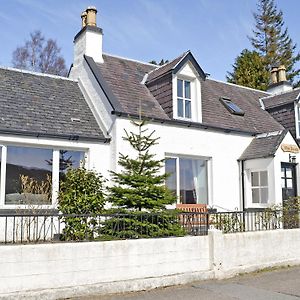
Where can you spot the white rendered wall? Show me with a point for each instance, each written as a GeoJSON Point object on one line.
{"type": "Point", "coordinates": [52, 271]}
{"type": "Point", "coordinates": [221, 149]}
{"type": "Point", "coordinates": [69, 265]}
{"type": "Point", "coordinates": [245, 252]}
{"type": "Point", "coordinates": [273, 166]}
{"type": "Point", "coordinates": [280, 157]}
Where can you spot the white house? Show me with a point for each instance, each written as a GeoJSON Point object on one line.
{"type": "Point", "coordinates": [220, 146]}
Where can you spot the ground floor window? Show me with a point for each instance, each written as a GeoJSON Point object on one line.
{"type": "Point", "coordinates": [259, 186]}
{"type": "Point", "coordinates": [188, 179]}
{"type": "Point", "coordinates": [31, 173]}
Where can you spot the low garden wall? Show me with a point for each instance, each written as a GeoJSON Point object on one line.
{"type": "Point", "coordinates": [60, 270]}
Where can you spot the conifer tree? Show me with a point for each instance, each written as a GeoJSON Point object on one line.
{"type": "Point", "coordinates": [140, 184]}
{"type": "Point", "coordinates": [271, 39]}
{"type": "Point", "coordinates": [249, 70]}
{"type": "Point", "coordinates": [139, 193]}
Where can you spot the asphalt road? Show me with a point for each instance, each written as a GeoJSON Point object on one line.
{"type": "Point", "coordinates": [279, 284]}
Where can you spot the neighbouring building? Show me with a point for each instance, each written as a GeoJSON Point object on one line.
{"type": "Point", "coordinates": [222, 149]}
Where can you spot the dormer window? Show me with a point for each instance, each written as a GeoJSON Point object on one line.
{"type": "Point", "coordinates": [232, 107]}
{"type": "Point", "coordinates": [184, 104]}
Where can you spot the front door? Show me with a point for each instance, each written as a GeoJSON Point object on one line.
{"type": "Point", "coordinates": [288, 180]}
{"type": "Point", "coordinates": [289, 191]}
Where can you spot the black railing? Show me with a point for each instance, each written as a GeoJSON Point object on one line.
{"type": "Point", "coordinates": [38, 227]}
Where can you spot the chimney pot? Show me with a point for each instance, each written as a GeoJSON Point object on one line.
{"type": "Point", "coordinates": [91, 12]}
{"type": "Point", "coordinates": [83, 18]}
{"type": "Point", "coordinates": [282, 73]}
{"type": "Point", "coordinates": [274, 75]}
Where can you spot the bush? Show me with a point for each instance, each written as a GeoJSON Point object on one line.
{"type": "Point", "coordinates": [137, 224]}
{"type": "Point", "coordinates": [81, 193]}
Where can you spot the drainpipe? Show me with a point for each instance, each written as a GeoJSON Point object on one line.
{"type": "Point", "coordinates": [243, 185]}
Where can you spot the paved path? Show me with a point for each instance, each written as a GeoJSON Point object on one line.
{"type": "Point", "coordinates": [280, 284]}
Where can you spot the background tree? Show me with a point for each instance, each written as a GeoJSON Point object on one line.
{"type": "Point", "coordinates": [271, 39]}
{"type": "Point", "coordinates": [162, 62]}
{"type": "Point", "coordinates": [40, 55]}
{"type": "Point", "coordinates": [249, 70]}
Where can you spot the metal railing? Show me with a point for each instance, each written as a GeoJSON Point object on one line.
{"type": "Point", "coordinates": [38, 227]}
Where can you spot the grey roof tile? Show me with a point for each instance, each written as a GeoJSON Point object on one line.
{"type": "Point", "coordinates": [264, 146]}
{"type": "Point", "coordinates": [38, 104]}
{"type": "Point", "coordinates": [281, 99]}
{"type": "Point", "coordinates": [161, 70]}
{"type": "Point", "coordinates": [214, 112]}
{"type": "Point", "coordinates": [124, 78]}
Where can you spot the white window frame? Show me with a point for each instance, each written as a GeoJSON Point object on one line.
{"type": "Point", "coordinates": [184, 98]}
{"type": "Point", "coordinates": [209, 174]}
{"type": "Point", "coordinates": [196, 105]}
{"type": "Point", "coordinates": [259, 187]}
{"type": "Point", "coordinates": [55, 173]}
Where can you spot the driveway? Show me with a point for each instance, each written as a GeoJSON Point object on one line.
{"type": "Point", "coordinates": [279, 284]}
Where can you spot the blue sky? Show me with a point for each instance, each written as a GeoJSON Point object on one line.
{"type": "Point", "coordinates": [214, 30]}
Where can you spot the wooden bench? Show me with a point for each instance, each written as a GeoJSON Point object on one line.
{"type": "Point", "coordinates": [191, 220]}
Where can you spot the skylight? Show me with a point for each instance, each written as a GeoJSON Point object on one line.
{"type": "Point", "coordinates": [232, 107]}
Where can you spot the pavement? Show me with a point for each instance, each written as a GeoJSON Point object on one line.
{"type": "Point", "coordinates": [276, 284]}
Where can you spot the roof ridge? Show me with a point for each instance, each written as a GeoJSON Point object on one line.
{"type": "Point", "coordinates": [237, 85]}
{"type": "Point", "coordinates": [130, 59]}
{"type": "Point", "coordinates": [283, 93]}
{"type": "Point", "coordinates": [37, 73]}
{"type": "Point", "coordinates": [169, 62]}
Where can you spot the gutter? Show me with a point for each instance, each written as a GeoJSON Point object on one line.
{"type": "Point", "coordinates": [70, 137]}
{"type": "Point", "coordinates": [183, 123]}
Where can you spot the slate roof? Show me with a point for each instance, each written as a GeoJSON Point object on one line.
{"type": "Point", "coordinates": [281, 99]}
{"type": "Point", "coordinates": [124, 79]}
{"type": "Point", "coordinates": [42, 105]}
{"type": "Point", "coordinates": [264, 146]}
{"type": "Point", "coordinates": [255, 120]}
{"type": "Point", "coordinates": [166, 68]}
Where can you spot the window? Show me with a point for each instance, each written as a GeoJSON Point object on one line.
{"type": "Point", "coordinates": [32, 174]}
{"type": "Point", "coordinates": [259, 185]}
{"type": "Point", "coordinates": [232, 107]}
{"type": "Point", "coordinates": [188, 179]}
{"type": "Point", "coordinates": [69, 159]}
{"type": "Point", "coordinates": [184, 105]}
{"type": "Point", "coordinates": [24, 168]}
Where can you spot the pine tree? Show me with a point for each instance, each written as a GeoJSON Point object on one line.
{"type": "Point", "coordinates": [271, 39]}
{"type": "Point", "coordinates": [140, 195]}
{"type": "Point", "coordinates": [249, 70]}
{"type": "Point", "coordinates": [140, 184]}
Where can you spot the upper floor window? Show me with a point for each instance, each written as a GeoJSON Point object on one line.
{"type": "Point", "coordinates": [184, 105]}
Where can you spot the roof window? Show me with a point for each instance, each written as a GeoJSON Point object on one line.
{"type": "Point", "coordinates": [232, 107]}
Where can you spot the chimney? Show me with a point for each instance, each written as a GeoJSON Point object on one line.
{"type": "Point", "coordinates": [279, 83]}
{"type": "Point", "coordinates": [88, 41]}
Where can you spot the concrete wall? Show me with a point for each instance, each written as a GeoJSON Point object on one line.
{"type": "Point", "coordinates": [52, 271]}
{"type": "Point", "coordinates": [61, 266]}
{"type": "Point", "coordinates": [250, 251]}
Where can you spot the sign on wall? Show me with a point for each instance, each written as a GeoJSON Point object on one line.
{"type": "Point", "coordinates": [290, 148]}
